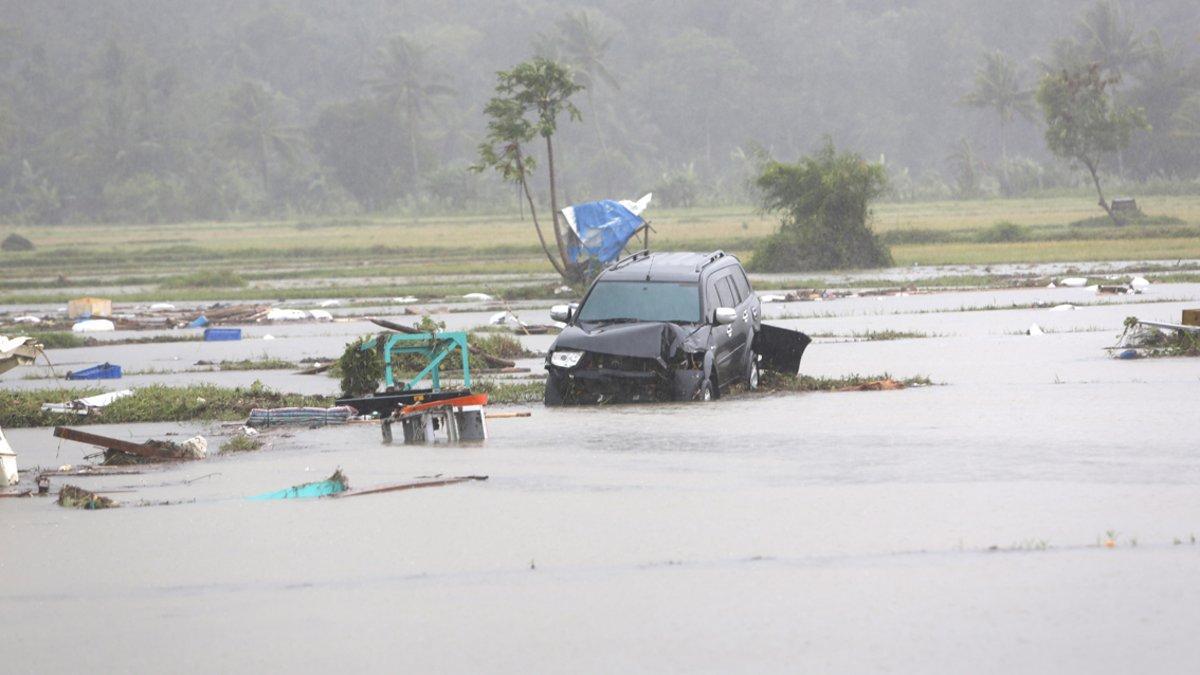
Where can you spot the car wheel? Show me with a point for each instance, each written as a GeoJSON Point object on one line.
{"type": "Point", "coordinates": [752, 373]}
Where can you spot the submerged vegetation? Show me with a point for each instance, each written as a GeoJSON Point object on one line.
{"type": "Point", "coordinates": [777, 382]}
{"type": "Point", "coordinates": [1152, 342]}
{"type": "Point", "coordinates": [155, 403]}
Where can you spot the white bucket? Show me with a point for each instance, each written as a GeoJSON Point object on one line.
{"type": "Point", "coordinates": [8, 463]}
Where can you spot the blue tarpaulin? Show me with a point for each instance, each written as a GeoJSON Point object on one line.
{"type": "Point", "coordinates": [603, 228]}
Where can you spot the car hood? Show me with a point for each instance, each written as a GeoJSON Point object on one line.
{"type": "Point", "coordinates": [649, 340]}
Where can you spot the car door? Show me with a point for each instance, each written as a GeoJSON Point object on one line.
{"type": "Point", "coordinates": [739, 331]}
{"type": "Point", "coordinates": [717, 295]}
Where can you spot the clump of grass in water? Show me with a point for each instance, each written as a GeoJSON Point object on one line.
{"type": "Point", "coordinates": [771, 381]}
{"type": "Point", "coordinates": [242, 443]}
{"type": "Point", "coordinates": [72, 497]}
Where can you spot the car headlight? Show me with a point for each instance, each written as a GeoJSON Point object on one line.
{"type": "Point", "coordinates": [565, 358]}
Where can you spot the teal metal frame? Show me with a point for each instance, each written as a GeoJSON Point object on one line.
{"type": "Point", "coordinates": [436, 347]}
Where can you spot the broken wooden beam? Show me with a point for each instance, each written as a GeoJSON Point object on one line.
{"type": "Point", "coordinates": [151, 451]}
{"type": "Point", "coordinates": [408, 486]}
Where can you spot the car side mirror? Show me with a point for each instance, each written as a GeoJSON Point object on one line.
{"type": "Point", "coordinates": [561, 313]}
{"type": "Point", "coordinates": [724, 316]}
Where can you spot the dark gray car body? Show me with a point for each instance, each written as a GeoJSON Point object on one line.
{"type": "Point", "coordinates": [657, 360]}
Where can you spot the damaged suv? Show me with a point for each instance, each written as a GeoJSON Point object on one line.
{"type": "Point", "coordinates": [666, 327]}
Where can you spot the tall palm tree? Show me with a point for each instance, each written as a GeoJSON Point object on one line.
{"type": "Point", "coordinates": [406, 81]}
{"type": "Point", "coordinates": [253, 126]}
{"type": "Point", "coordinates": [1110, 38]}
{"type": "Point", "coordinates": [998, 87]}
{"type": "Point", "coordinates": [583, 44]}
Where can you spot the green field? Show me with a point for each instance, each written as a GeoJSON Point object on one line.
{"type": "Point", "coordinates": [380, 256]}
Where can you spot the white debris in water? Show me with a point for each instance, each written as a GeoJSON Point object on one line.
{"type": "Point", "coordinates": [1062, 308]}
{"type": "Point", "coordinates": [196, 447]}
{"type": "Point", "coordinates": [404, 300]}
{"type": "Point", "coordinates": [278, 314]}
{"type": "Point", "coordinates": [330, 303]}
{"type": "Point", "coordinates": [268, 336]}
{"type": "Point", "coordinates": [480, 297]}
{"type": "Point", "coordinates": [498, 318]}
{"type": "Point", "coordinates": [321, 315]}
{"type": "Point", "coordinates": [1139, 282]}
{"type": "Point", "coordinates": [1051, 285]}
{"type": "Point", "coordinates": [1095, 288]}
{"type": "Point", "coordinates": [162, 307]}
{"type": "Point", "coordinates": [772, 298]}
{"type": "Point", "coordinates": [93, 326]}
{"type": "Point", "coordinates": [1035, 329]}
{"type": "Point", "coordinates": [1074, 282]}
{"type": "Point", "coordinates": [27, 319]}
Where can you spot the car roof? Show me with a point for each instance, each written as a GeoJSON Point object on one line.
{"type": "Point", "coordinates": [675, 266]}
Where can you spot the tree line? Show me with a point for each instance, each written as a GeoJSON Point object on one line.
{"type": "Point", "coordinates": [154, 111]}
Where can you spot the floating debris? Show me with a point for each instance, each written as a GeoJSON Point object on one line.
{"type": "Point", "coordinates": [72, 497]}
{"type": "Point", "coordinates": [887, 384]}
{"type": "Point", "coordinates": [311, 417]}
{"type": "Point", "coordinates": [120, 452]}
{"type": "Point", "coordinates": [324, 488]}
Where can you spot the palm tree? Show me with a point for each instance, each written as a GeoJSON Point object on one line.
{"type": "Point", "coordinates": [582, 44]}
{"type": "Point", "coordinates": [405, 81]}
{"type": "Point", "coordinates": [998, 87]}
{"type": "Point", "coordinates": [1110, 38]}
{"type": "Point", "coordinates": [252, 125]}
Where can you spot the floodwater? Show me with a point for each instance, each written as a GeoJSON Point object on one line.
{"type": "Point", "coordinates": [950, 528]}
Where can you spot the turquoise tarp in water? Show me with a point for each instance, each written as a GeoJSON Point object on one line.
{"type": "Point", "coordinates": [331, 486]}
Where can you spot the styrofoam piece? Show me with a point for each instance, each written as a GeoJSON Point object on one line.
{"type": "Point", "coordinates": [93, 326]}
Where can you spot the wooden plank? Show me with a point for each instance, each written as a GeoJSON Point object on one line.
{"type": "Point", "coordinates": [408, 486]}
{"type": "Point", "coordinates": [107, 443]}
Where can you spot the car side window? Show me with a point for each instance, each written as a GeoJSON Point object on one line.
{"type": "Point", "coordinates": [710, 295]}
{"type": "Point", "coordinates": [742, 283]}
{"type": "Point", "coordinates": [725, 293]}
{"type": "Point", "coordinates": [737, 296]}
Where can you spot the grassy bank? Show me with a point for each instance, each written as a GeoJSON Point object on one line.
{"type": "Point", "coordinates": [155, 403]}
{"type": "Point", "coordinates": [366, 257]}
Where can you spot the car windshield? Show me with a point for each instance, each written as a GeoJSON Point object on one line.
{"type": "Point", "coordinates": [642, 301]}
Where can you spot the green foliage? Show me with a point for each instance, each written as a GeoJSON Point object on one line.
{"type": "Point", "coordinates": [1083, 123]}
{"type": "Point", "coordinates": [206, 278]}
{"type": "Point", "coordinates": [529, 98]}
{"type": "Point", "coordinates": [361, 369]}
{"type": "Point", "coordinates": [825, 202]}
{"type": "Point", "coordinates": [16, 243]}
{"type": "Point", "coordinates": [1002, 232]}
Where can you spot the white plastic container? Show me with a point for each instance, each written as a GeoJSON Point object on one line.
{"type": "Point", "coordinates": [8, 463]}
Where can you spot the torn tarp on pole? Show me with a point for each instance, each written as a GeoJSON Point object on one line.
{"type": "Point", "coordinates": [603, 227]}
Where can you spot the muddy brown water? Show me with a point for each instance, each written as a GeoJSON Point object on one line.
{"type": "Point", "coordinates": [816, 532]}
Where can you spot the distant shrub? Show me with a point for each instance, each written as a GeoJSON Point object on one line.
{"type": "Point", "coordinates": [1002, 232]}
{"type": "Point", "coordinates": [825, 201]}
{"type": "Point", "coordinates": [15, 242]}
